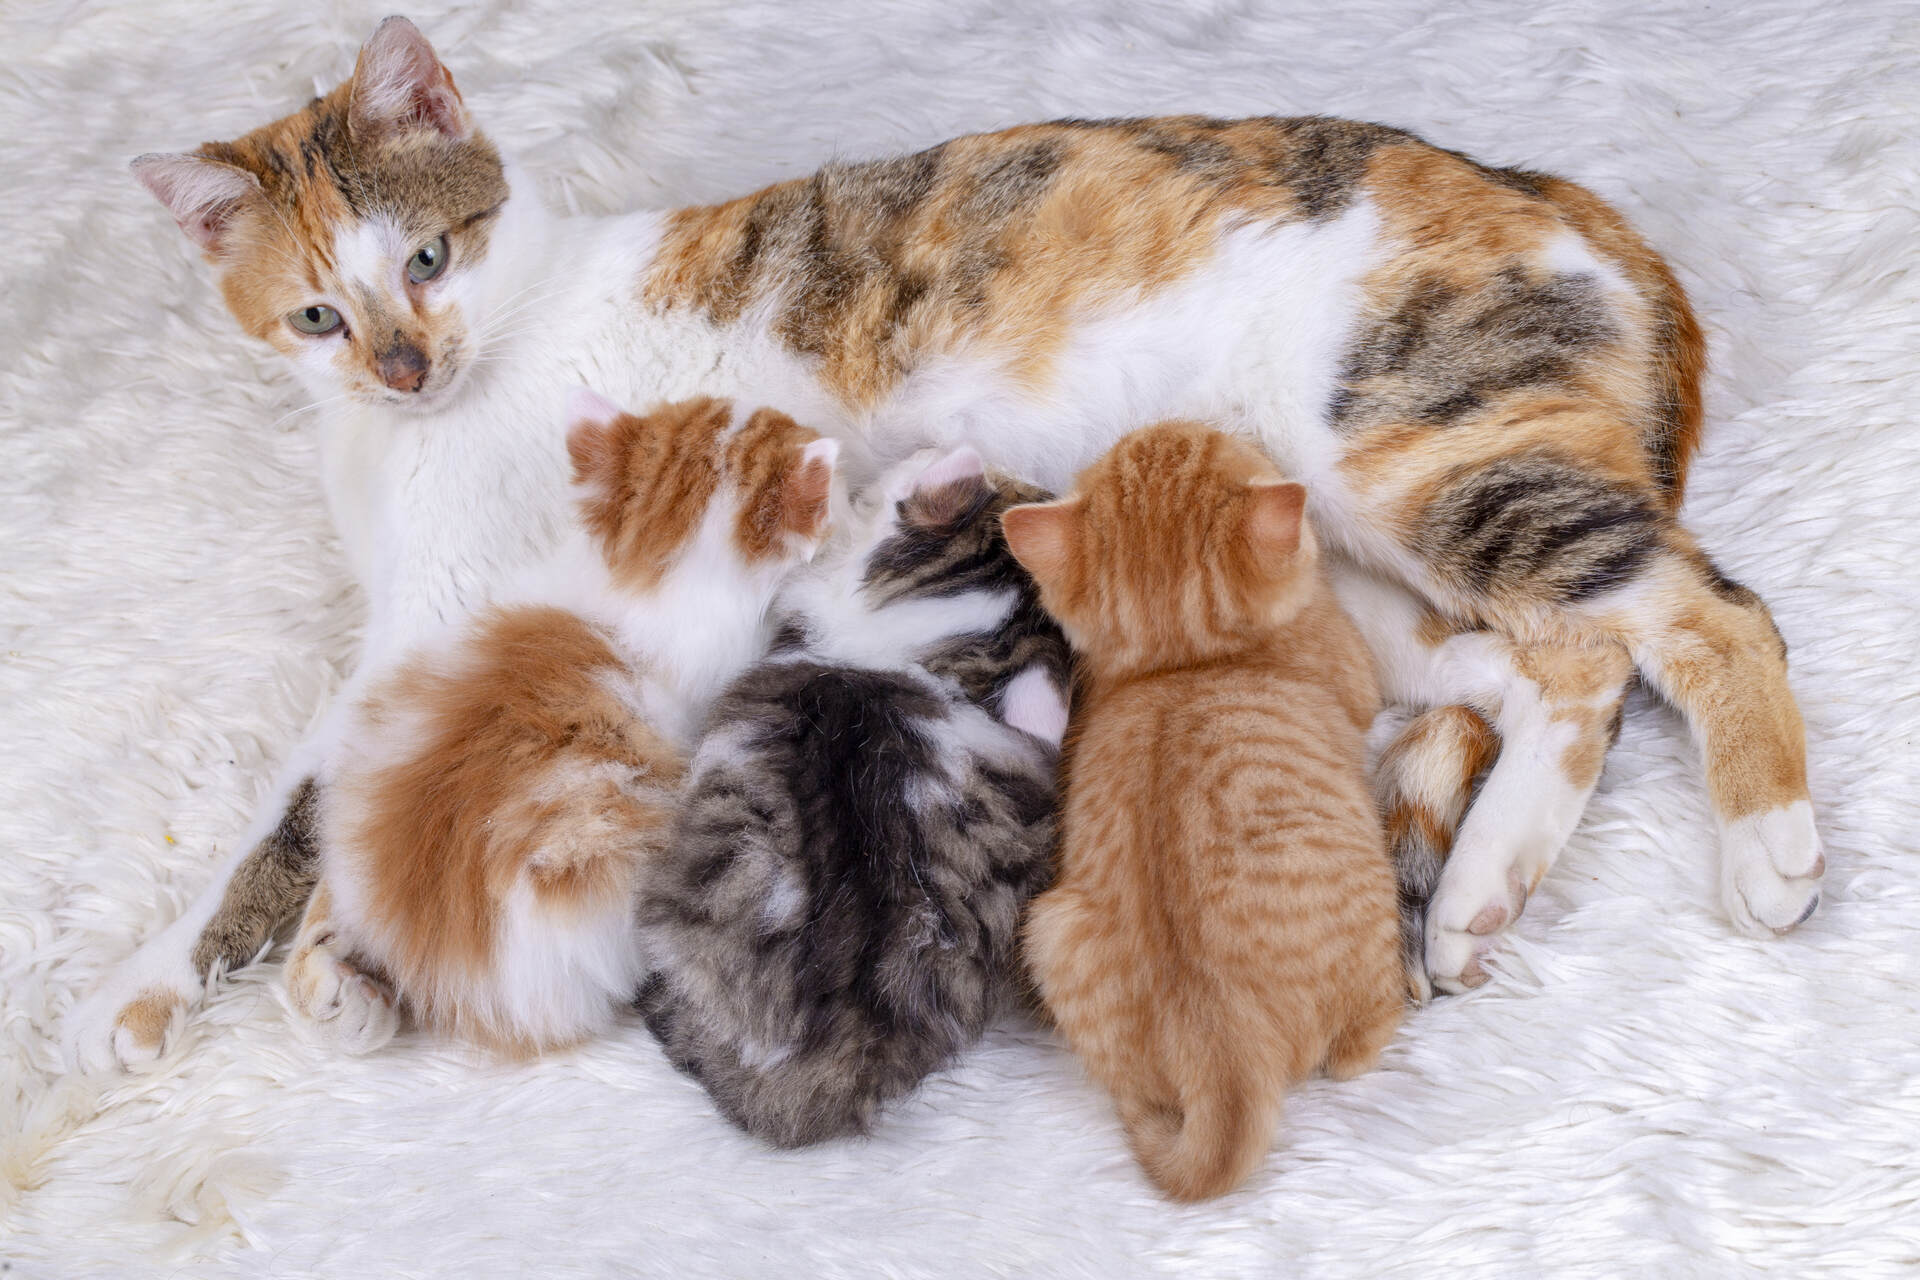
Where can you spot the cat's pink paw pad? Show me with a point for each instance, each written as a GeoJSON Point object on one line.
{"type": "Point", "coordinates": [1456, 959]}
{"type": "Point", "coordinates": [1462, 932]}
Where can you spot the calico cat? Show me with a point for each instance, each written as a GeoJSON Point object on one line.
{"type": "Point", "coordinates": [1489, 383]}
{"type": "Point", "coordinates": [1224, 922]}
{"type": "Point", "coordinates": [494, 799]}
{"type": "Point", "coordinates": [865, 820]}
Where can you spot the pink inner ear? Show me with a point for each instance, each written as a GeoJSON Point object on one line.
{"type": "Point", "coordinates": [962, 464]}
{"type": "Point", "coordinates": [201, 194]}
{"type": "Point", "coordinates": [399, 81]}
{"type": "Point", "coordinates": [825, 449]}
{"type": "Point", "coordinates": [585, 405]}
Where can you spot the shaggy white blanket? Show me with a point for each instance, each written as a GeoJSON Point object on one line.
{"type": "Point", "coordinates": [1639, 1090]}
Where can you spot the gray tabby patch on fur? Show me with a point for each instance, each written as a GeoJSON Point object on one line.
{"type": "Point", "coordinates": [839, 911]}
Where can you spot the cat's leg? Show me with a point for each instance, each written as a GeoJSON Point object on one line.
{"type": "Point", "coordinates": [1554, 706]}
{"type": "Point", "coordinates": [1559, 712]}
{"type": "Point", "coordinates": [349, 1004]}
{"type": "Point", "coordinates": [1710, 647]}
{"type": "Point", "coordinates": [1536, 525]}
{"type": "Point", "coordinates": [135, 1013]}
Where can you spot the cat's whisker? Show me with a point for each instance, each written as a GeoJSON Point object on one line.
{"type": "Point", "coordinates": [309, 407]}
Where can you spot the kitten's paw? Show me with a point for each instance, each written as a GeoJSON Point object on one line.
{"type": "Point", "coordinates": [1770, 869]}
{"type": "Point", "coordinates": [130, 1020]}
{"type": "Point", "coordinates": [353, 1010]}
{"type": "Point", "coordinates": [1465, 922]}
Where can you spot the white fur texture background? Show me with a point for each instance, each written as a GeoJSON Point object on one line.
{"type": "Point", "coordinates": [1639, 1090]}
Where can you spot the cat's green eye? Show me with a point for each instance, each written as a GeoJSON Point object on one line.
{"type": "Point", "coordinates": [315, 319]}
{"type": "Point", "coordinates": [428, 262]}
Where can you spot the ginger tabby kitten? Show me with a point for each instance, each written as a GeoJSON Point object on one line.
{"type": "Point", "coordinates": [1224, 922]}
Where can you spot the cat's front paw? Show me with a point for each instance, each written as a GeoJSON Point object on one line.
{"type": "Point", "coordinates": [1770, 869]}
{"type": "Point", "coordinates": [132, 1018]}
{"type": "Point", "coordinates": [352, 1009]}
{"type": "Point", "coordinates": [1464, 923]}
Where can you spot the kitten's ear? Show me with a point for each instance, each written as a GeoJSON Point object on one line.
{"type": "Point", "coordinates": [1041, 536]}
{"type": "Point", "coordinates": [962, 464]}
{"type": "Point", "coordinates": [593, 446]}
{"type": "Point", "coordinates": [1277, 508]}
{"type": "Point", "coordinates": [946, 489]}
{"type": "Point", "coordinates": [201, 194]}
{"type": "Point", "coordinates": [400, 85]}
{"type": "Point", "coordinates": [806, 493]}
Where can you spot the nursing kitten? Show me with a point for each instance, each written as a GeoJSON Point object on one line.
{"type": "Point", "coordinates": [493, 801]}
{"type": "Point", "coordinates": [1489, 381]}
{"type": "Point", "coordinates": [1224, 921]}
{"type": "Point", "coordinates": [869, 813]}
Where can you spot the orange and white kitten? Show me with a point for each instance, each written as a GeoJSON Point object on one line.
{"type": "Point", "coordinates": [495, 797]}
{"type": "Point", "coordinates": [1224, 922]}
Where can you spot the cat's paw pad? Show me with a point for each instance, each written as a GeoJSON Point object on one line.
{"type": "Point", "coordinates": [354, 1011]}
{"type": "Point", "coordinates": [131, 1020]}
{"type": "Point", "coordinates": [1463, 927]}
{"type": "Point", "coordinates": [1770, 869]}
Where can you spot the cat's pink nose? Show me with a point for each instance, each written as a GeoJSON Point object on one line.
{"type": "Point", "coordinates": [403, 367]}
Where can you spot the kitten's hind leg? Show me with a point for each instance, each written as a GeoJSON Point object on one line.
{"type": "Point", "coordinates": [135, 1014]}
{"type": "Point", "coordinates": [1423, 782]}
{"type": "Point", "coordinates": [349, 1005]}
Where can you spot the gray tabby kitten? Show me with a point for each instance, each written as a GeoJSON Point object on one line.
{"type": "Point", "coordinates": [865, 821]}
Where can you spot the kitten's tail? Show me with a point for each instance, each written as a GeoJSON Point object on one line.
{"type": "Point", "coordinates": [1207, 1139]}
{"type": "Point", "coordinates": [1423, 783]}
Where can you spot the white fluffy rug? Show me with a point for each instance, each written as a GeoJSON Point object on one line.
{"type": "Point", "coordinates": [1639, 1091]}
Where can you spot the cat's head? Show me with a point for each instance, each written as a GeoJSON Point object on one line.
{"type": "Point", "coordinates": [694, 488]}
{"type": "Point", "coordinates": [934, 529]}
{"type": "Point", "coordinates": [354, 235]}
{"type": "Point", "coordinates": [1182, 544]}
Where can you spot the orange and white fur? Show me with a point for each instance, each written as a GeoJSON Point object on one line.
{"type": "Point", "coordinates": [1488, 382]}
{"type": "Point", "coordinates": [1224, 922]}
{"type": "Point", "coordinates": [493, 799]}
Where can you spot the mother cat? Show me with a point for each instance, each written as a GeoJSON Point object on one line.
{"type": "Point", "coordinates": [1488, 382]}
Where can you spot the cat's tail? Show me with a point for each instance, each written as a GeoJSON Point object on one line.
{"type": "Point", "coordinates": [1424, 781]}
{"type": "Point", "coordinates": [1200, 1138]}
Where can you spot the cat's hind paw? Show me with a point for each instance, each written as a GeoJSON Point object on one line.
{"type": "Point", "coordinates": [1463, 928]}
{"type": "Point", "coordinates": [1770, 870]}
{"type": "Point", "coordinates": [351, 1009]}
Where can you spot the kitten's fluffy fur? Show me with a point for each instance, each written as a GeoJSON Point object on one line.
{"type": "Point", "coordinates": [837, 913]}
{"type": "Point", "coordinates": [1224, 922]}
{"type": "Point", "coordinates": [495, 798]}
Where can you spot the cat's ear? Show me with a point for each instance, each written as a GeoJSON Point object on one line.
{"type": "Point", "coordinates": [202, 195]}
{"type": "Point", "coordinates": [806, 493]}
{"type": "Point", "coordinates": [1274, 515]}
{"type": "Point", "coordinates": [1041, 536]}
{"type": "Point", "coordinates": [593, 445]}
{"type": "Point", "coordinates": [946, 489]}
{"type": "Point", "coordinates": [399, 85]}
